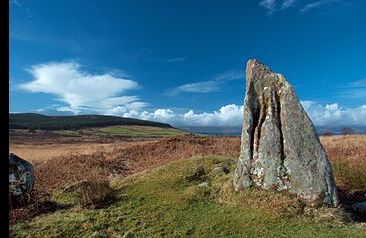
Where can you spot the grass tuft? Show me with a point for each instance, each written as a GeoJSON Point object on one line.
{"type": "Point", "coordinates": [88, 193]}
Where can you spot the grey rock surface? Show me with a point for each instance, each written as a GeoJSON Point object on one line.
{"type": "Point", "coordinates": [21, 178]}
{"type": "Point", "coordinates": [279, 146]}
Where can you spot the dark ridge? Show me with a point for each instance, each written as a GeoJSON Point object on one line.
{"type": "Point", "coordinates": [277, 98]}
{"type": "Point", "coordinates": [262, 118]}
{"type": "Point", "coordinates": [41, 122]}
{"type": "Point", "coordinates": [255, 110]}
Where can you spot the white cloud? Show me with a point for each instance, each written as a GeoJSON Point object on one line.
{"type": "Point", "coordinates": [287, 3]}
{"type": "Point", "coordinates": [273, 6]}
{"type": "Point", "coordinates": [232, 115]}
{"type": "Point", "coordinates": [207, 86]}
{"type": "Point", "coordinates": [199, 87]}
{"type": "Point", "coordinates": [81, 90]}
{"type": "Point", "coordinates": [335, 115]}
{"type": "Point", "coordinates": [276, 5]}
{"type": "Point", "coordinates": [228, 115]}
{"type": "Point", "coordinates": [317, 4]}
{"type": "Point", "coordinates": [230, 75]}
{"type": "Point", "coordinates": [270, 5]}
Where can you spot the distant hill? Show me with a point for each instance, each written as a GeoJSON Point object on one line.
{"type": "Point", "coordinates": [42, 122]}
{"type": "Point", "coordinates": [236, 130]}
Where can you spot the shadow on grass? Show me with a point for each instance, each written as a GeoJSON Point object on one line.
{"type": "Point", "coordinates": [106, 202]}
{"type": "Point", "coordinates": [35, 209]}
{"type": "Point", "coordinates": [351, 197]}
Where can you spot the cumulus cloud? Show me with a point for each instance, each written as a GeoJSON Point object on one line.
{"type": "Point", "coordinates": [81, 90]}
{"type": "Point", "coordinates": [232, 115]}
{"type": "Point", "coordinates": [335, 115]}
{"type": "Point", "coordinates": [228, 115]}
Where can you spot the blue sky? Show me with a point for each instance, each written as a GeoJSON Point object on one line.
{"type": "Point", "coordinates": [183, 61]}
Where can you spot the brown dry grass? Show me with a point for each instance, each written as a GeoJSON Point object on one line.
{"type": "Point", "coordinates": [76, 162]}
{"type": "Point", "coordinates": [153, 154]}
{"type": "Point", "coordinates": [38, 153]}
{"type": "Point", "coordinates": [57, 165]}
{"type": "Point", "coordinates": [123, 160]}
{"type": "Point", "coordinates": [34, 153]}
{"type": "Point", "coordinates": [348, 156]}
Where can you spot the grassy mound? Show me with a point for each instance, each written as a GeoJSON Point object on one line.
{"type": "Point", "coordinates": [189, 198]}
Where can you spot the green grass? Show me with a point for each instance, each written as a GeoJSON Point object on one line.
{"type": "Point", "coordinates": [139, 131]}
{"type": "Point", "coordinates": [167, 202]}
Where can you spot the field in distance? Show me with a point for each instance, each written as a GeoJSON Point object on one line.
{"type": "Point", "coordinates": [127, 131]}
{"type": "Point", "coordinates": [37, 145]}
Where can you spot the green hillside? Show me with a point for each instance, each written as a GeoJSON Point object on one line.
{"type": "Point", "coordinates": [42, 122]}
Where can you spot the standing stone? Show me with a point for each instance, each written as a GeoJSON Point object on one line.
{"type": "Point", "coordinates": [279, 146]}
{"type": "Point", "coordinates": [21, 179]}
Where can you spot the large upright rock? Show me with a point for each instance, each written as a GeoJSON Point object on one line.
{"type": "Point", "coordinates": [21, 179]}
{"type": "Point", "coordinates": [279, 146]}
